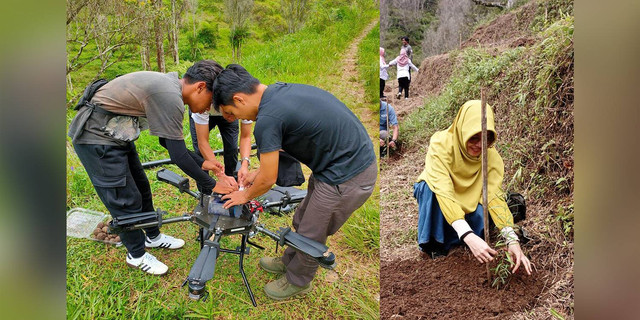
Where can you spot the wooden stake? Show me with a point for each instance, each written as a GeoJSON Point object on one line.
{"type": "Point", "coordinates": [387, 142]}
{"type": "Point", "coordinates": [485, 205]}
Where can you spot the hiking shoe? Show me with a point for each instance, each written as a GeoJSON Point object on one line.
{"type": "Point", "coordinates": [398, 95]}
{"type": "Point", "coordinates": [281, 289]}
{"type": "Point", "coordinates": [164, 241]}
{"type": "Point", "coordinates": [147, 263]}
{"type": "Point", "coordinates": [273, 265]}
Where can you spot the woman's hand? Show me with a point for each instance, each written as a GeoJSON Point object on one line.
{"type": "Point", "coordinates": [479, 248]}
{"type": "Point", "coordinates": [519, 258]}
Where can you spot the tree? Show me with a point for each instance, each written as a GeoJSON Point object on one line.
{"type": "Point", "coordinates": [177, 10]}
{"type": "Point", "coordinates": [103, 26]}
{"type": "Point", "coordinates": [294, 12]}
{"type": "Point", "coordinates": [237, 13]}
{"type": "Point", "coordinates": [158, 23]}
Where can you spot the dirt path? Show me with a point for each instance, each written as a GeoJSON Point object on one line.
{"type": "Point", "coordinates": [351, 86]}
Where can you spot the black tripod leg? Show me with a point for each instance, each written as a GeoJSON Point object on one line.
{"type": "Point", "coordinates": [243, 246]}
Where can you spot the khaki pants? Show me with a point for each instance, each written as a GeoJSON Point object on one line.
{"type": "Point", "coordinates": [322, 212]}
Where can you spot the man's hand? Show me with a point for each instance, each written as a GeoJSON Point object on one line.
{"type": "Point", "coordinates": [479, 248]}
{"type": "Point", "coordinates": [381, 143]}
{"type": "Point", "coordinates": [227, 181]}
{"type": "Point", "coordinates": [249, 178]}
{"type": "Point", "coordinates": [223, 188]}
{"type": "Point", "coordinates": [519, 258]}
{"type": "Point", "coordinates": [242, 175]}
{"type": "Point", "coordinates": [213, 165]}
{"type": "Point", "coordinates": [392, 144]}
{"type": "Point", "coordinates": [235, 198]}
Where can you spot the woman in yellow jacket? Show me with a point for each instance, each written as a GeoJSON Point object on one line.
{"type": "Point", "coordinates": [449, 191]}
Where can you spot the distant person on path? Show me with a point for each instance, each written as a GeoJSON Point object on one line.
{"type": "Point", "coordinates": [317, 129]}
{"type": "Point", "coordinates": [449, 191]}
{"type": "Point", "coordinates": [384, 129]}
{"type": "Point", "coordinates": [404, 77]}
{"type": "Point", "coordinates": [407, 48]}
{"type": "Point", "coordinates": [384, 75]}
{"type": "Point", "coordinates": [104, 131]}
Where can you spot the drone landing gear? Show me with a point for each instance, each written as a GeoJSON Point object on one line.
{"type": "Point", "coordinates": [204, 267]}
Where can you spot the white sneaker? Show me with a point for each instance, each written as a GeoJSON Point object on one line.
{"type": "Point", "coordinates": [398, 95]}
{"type": "Point", "coordinates": [164, 241]}
{"type": "Point", "coordinates": [147, 263]}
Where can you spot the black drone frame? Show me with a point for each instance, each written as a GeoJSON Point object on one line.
{"type": "Point", "coordinates": [214, 223]}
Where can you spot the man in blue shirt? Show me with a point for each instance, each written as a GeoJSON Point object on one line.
{"type": "Point", "coordinates": [385, 109]}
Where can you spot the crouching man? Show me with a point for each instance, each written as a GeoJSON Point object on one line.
{"type": "Point", "coordinates": [317, 129]}
{"type": "Point", "coordinates": [104, 131]}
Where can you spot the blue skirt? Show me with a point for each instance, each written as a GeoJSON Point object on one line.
{"type": "Point", "coordinates": [434, 232]}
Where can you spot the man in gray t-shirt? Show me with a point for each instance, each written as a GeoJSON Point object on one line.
{"type": "Point", "coordinates": [104, 131]}
{"type": "Point", "coordinates": [318, 130]}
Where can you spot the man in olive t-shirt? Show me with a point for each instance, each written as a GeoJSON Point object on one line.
{"type": "Point", "coordinates": [103, 132]}
{"type": "Point", "coordinates": [317, 129]}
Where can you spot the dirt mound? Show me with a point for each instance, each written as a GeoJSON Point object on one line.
{"type": "Point", "coordinates": [430, 289]}
{"type": "Point", "coordinates": [426, 288]}
{"type": "Point", "coordinates": [504, 29]}
{"type": "Point", "coordinates": [435, 72]}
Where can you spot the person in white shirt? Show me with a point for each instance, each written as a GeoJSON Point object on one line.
{"type": "Point", "coordinates": [403, 64]}
{"type": "Point", "coordinates": [200, 126]}
{"type": "Point", "coordinates": [384, 75]}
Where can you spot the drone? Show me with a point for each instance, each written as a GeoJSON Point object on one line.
{"type": "Point", "coordinates": [215, 222]}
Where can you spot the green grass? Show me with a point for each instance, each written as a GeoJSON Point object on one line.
{"type": "Point", "coordinates": [368, 67]}
{"type": "Point", "coordinates": [100, 285]}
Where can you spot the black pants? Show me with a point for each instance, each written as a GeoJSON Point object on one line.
{"type": "Point", "coordinates": [119, 180]}
{"type": "Point", "coordinates": [382, 84]}
{"type": "Point", "coordinates": [403, 83]}
{"type": "Point", "coordinates": [228, 132]}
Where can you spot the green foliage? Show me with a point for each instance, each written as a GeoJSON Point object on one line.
{"type": "Point", "coordinates": [502, 270]}
{"type": "Point", "coordinates": [208, 35]}
{"type": "Point", "coordinates": [362, 230]}
{"type": "Point", "coordinates": [564, 216]}
{"type": "Point", "coordinates": [368, 66]}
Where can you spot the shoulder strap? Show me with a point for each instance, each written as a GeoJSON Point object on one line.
{"type": "Point", "coordinates": [89, 91]}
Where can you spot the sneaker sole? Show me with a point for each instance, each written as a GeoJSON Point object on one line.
{"type": "Point", "coordinates": [153, 274]}
{"type": "Point", "coordinates": [289, 297]}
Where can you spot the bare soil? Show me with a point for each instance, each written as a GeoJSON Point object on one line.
{"type": "Point", "coordinates": [503, 30]}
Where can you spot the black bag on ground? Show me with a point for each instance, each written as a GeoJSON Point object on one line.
{"type": "Point", "coordinates": [517, 206]}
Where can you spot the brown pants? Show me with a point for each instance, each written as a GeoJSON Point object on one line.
{"type": "Point", "coordinates": [322, 212]}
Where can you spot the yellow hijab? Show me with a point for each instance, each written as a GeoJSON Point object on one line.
{"type": "Point", "coordinates": [451, 172]}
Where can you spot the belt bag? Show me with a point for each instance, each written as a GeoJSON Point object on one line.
{"type": "Point", "coordinates": [120, 127]}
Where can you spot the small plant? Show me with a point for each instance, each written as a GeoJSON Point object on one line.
{"type": "Point", "coordinates": [565, 217]}
{"type": "Point", "coordinates": [502, 270]}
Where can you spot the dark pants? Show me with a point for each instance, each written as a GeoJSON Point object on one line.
{"type": "Point", "coordinates": [403, 83]}
{"type": "Point", "coordinates": [382, 84]}
{"type": "Point", "coordinates": [119, 180]}
{"type": "Point", "coordinates": [228, 132]}
{"type": "Point", "coordinates": [322, 212]}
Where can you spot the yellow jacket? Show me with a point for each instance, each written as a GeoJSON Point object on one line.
{"type": "Point", "coordinates": [456, 177]}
